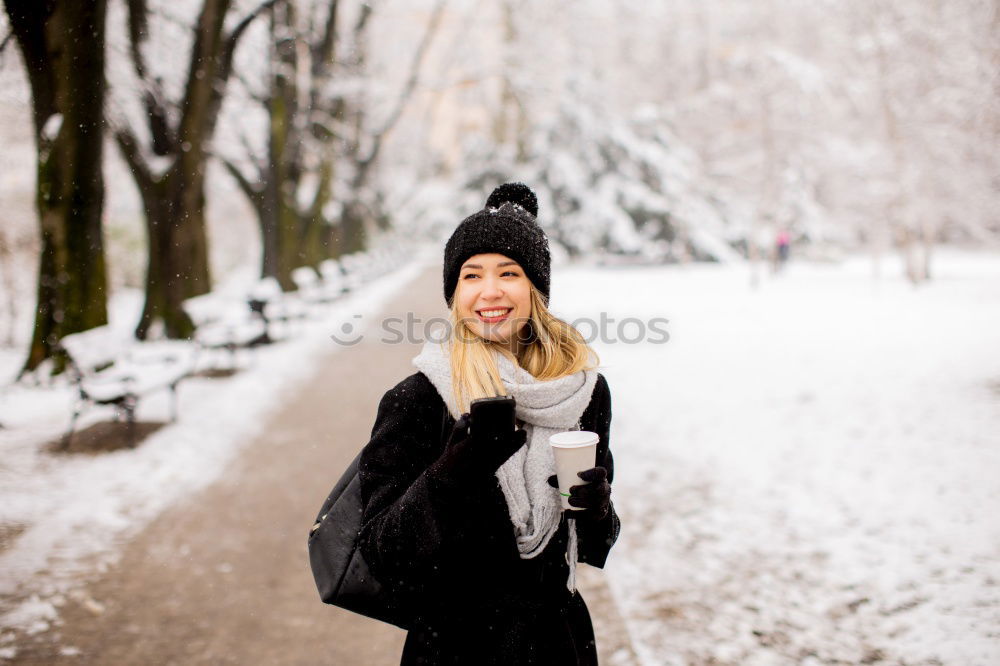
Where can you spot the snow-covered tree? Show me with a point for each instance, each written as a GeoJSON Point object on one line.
{"type": "Point", "coordinates": [783, 104]}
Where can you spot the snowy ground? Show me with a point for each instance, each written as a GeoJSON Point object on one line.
{"type": "Point", "coordinates": [807, 472]}
{"type": "Point", "coordinates": [64, 516]}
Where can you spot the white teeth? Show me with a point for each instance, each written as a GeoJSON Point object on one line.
{"type": "Point", "coordinates": [493, 313]}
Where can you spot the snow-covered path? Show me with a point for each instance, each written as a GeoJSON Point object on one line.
{"type": "Point", "coordinates": [807, 473]}
{"type": "Point", "coordinates": [67, 517]}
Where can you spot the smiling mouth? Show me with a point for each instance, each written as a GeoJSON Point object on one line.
{"type": "Point", "coordinates": [493, 315]}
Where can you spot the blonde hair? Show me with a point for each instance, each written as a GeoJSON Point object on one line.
{"type": "Point", "coordinates": [553, 349]}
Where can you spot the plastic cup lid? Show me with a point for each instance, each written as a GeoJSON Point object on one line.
{"type": "Point", "coordinates": [573, 438]}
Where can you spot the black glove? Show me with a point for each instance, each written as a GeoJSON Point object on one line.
{"type": "Point", "coordinates": [479, 455]}
{"type": "Point", "coordinates": [594, 496]}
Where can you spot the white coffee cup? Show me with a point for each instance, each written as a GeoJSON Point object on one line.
{"type": "Point", "coordinates": [574, 451]}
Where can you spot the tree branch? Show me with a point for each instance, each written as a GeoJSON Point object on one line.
{"type": "Point", "coordinates": [223, 55]}
{"type": "Point", "coordinates": [363, 16]}
{"type": "Point", "coordinates": [260, 98]}
{"type": "Point", "coordinates": [260, 164]}
{"type": "Point", "coordinates": [324, 51]}
{"type": "Point", "coordinates": [128, 146]}
{"type": "Point", "coordinates": [164, 139]}
{"type": "Point", "coordinates": [138, 29]}
{"type": "Point", "coordinates": [406, 93]}
{"type": "Point", "coordinates": [27, 26]}
{"type": "Point", "coordinates": [253, 191]}
{"type": "Point", "coordinates": [233, 39]}
{"type": "Point", "coordinates": [323, 57]}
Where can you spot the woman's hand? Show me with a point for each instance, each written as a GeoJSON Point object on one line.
{"type": "Point", "coordinates": [466, 453]}
{"type": "Point", "coordinates": [594, 496]}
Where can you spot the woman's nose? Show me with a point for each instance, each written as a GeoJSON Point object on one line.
{"type": "Point", "coordinates": [492, 288]}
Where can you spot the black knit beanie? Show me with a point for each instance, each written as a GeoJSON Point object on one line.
{"type": "Point", "coordinates": [507, 226]}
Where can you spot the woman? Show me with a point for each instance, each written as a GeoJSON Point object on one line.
{"type": "Point", "coordinates": [470, 534]}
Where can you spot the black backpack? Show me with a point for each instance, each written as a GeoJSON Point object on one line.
{"type": "Point", "coordinates": [339, 569]}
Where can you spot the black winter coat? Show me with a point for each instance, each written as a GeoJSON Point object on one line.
{"type": "Point", "coordinates": [448, 549]}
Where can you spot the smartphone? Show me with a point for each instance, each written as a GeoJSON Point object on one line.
{"type": "Point", "coordinates": [491, 418]}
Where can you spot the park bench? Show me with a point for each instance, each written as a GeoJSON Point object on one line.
{"type": "Point", "coordinates": [110, 367]}
{"type": "Point", "coordinates": [314, 289]}
{"type": "Point", "coordinates": [225, 324]}
{"type": "Point", "coordinates": [334, 277]}
{"type": "Point", "coordinates": [272, 304]}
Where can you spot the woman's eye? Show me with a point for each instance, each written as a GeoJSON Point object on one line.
{"type": "Point", "coordinates": [472, 275]}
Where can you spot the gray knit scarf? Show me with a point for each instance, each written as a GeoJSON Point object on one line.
{"type": "Point", "coordinates": [545, 407]}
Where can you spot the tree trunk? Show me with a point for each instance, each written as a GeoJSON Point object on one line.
{"type": "Point", "coordinates": [901, 220]}
{"type": "Point", "coordinates": [927, 242]}
{"type": "Point", "coordinates": [175, 230]}
{"type": "Point", "coordinates": [314, 246]}
{"type": "Point", "coordinates": [63, 47]}
{"type": "Point", "coordinates": [277, 221]}
{"type": "Point", "coordinates": [353, 236]}
{"type": "Point", "coordinates": [267, 221]}
{"type": "Point", "coordinates": [283, 173]}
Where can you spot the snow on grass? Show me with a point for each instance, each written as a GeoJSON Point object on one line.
{"type": "Point", "coordinates": [806, 472]}
{"type": "Point", "coordinates": [72, 512]}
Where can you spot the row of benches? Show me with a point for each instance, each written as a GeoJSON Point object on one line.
{"type": "Point", "coordinates": [109, 367]}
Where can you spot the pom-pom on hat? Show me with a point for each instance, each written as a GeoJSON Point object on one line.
{"type": "Point", "coordinates": [507, 226]}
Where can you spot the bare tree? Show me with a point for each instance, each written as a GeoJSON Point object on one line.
{"type": "Point", "coordinates": [299, 143]}
{"type": "Point", "coordinates": [180, 132]}
{"type": "Point", "coordinates": [362, 209]}
{"type": "Point", "coordinates": [62, 43]}
{"type": "Point", "coordinates": [317, 137]}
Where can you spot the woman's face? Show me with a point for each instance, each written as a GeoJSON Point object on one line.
{"type": "Point", "coordinates": [494, 297]}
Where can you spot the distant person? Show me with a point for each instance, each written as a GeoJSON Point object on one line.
{"type": "Point", "coordinates": [470, 534]}
{"type": "Point", "coordinates": [782, 243]}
